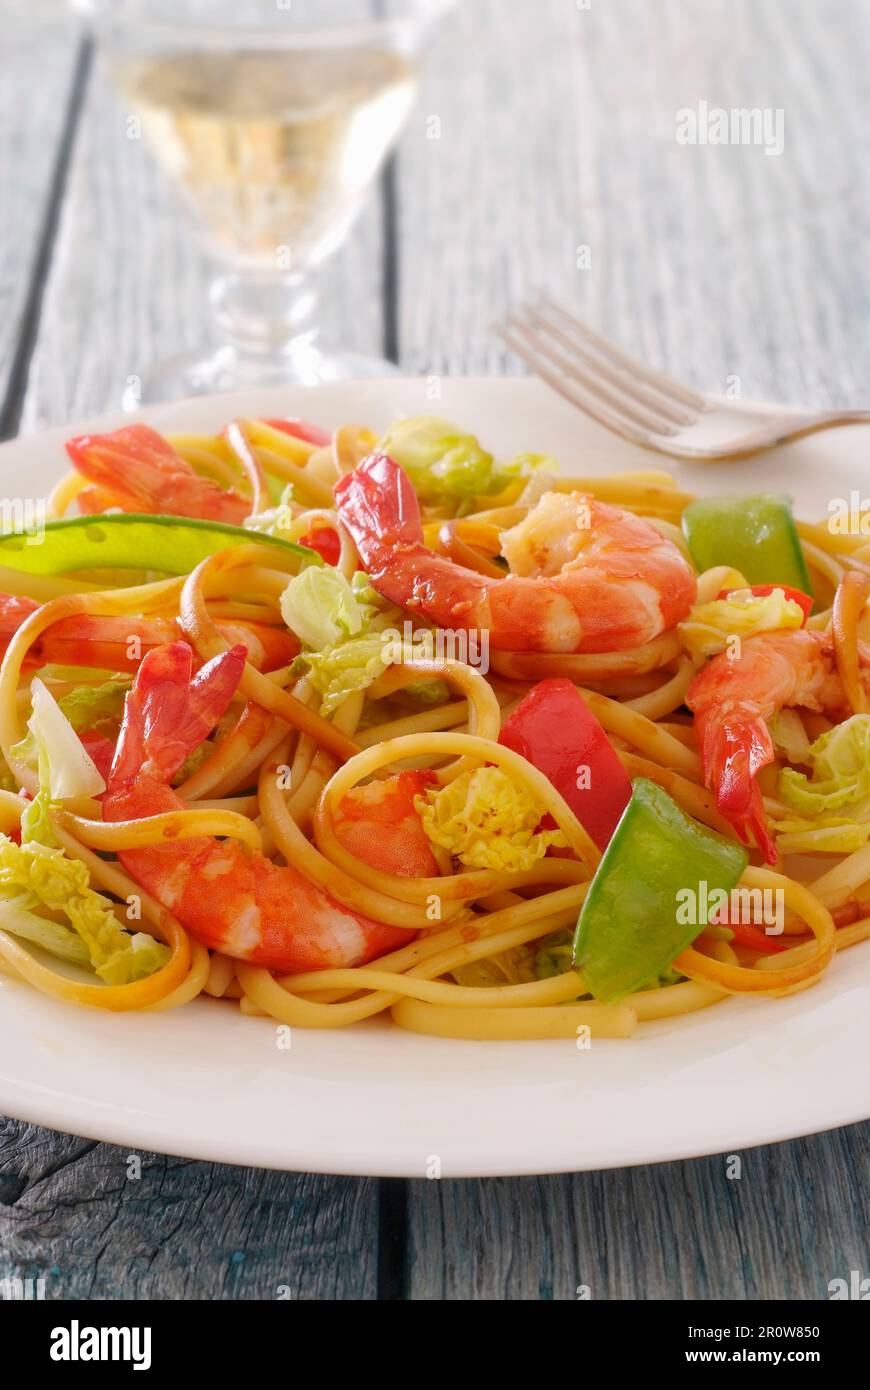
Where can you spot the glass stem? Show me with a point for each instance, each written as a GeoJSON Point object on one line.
{"type": "Point", "coordinates": [261, 315]}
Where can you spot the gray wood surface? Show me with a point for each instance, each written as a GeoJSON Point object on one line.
{"type": "Point", "coordinates": [71, 1212]}
{"type": "Point", "coordinates": [41, 67]}
{"type": "Point", "coordinates": [712, 261]}
{"type": "Point", "coordinates": [556, 132]}
{"type": "Point", "coordinates": [796, 1218]}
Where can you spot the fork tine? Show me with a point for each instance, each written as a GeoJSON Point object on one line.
{"type": "Point", "coordinates": [633, 367]}
{"type": "Point", "coordinates": [541, 340]}
{"type": "Point", "coordinates": [659, 412]}
{"type": "Point", "coordinates": [521, 340]}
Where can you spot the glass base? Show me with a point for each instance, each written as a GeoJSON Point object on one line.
{"type": "Point", "coordinates": [227, 370]}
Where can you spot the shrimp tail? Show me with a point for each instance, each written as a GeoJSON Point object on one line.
{"type": "Point", "coordinates": [734, 748]}
{"type": "Point", "coordinates": [168, 713]}
{"type": "Point", "coordinates": [15, 609]}
{"type": "Point", "coordinates": [136, 469]}
{"type": "Point", "coordinates": [379, 507]}
{"type": "Point", "coordinates": [122, 464]}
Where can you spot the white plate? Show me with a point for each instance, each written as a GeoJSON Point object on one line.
{"type": "Point", "coordinates": [207, 1083]}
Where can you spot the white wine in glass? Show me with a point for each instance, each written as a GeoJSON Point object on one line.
{"type": "Point", "coordinates": [272, 150]}
{"type": "Point", "coordinates": [272, 120]}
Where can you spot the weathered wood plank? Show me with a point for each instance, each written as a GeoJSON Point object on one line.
{"type": "Point", "coordinates": [795, 1219]}
{"type": "Point", "coordinates": [75, 1214]}
{"type": "Point", "coordinates": [39, 64]}
{"type": "Point", "coordinates": [558, 131]}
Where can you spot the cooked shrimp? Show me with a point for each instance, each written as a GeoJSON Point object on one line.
{"type": "Point", "coordinates": [236, 902]}
{"type": "Point", "coordinates": [732, 699]}
{"type": "Point", "coordinates": [118, 644]}
{"type": "Point", "coordinates": [379, 824]}
{"type": "Point", "coordinates": [137, 470]}
{"type": "Point", "coordinates": [587, 576]}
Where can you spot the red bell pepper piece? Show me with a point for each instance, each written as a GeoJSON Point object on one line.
{"type": "Point", "coordinates": [556, 732]}
{"type": "Point", "coordinates": [301, 429]}
{"type": "Point", "coordinates": [747, 935]}
{"type": "Point", "coordinates": [325, 541]}
{"type": "Point", "coordinates": [765, 590]}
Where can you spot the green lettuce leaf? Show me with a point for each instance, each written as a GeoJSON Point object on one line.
{"type": "Point", "coordinates": [348, 667]}
{"type": "Point", "coordinates": [36, 826]}
{"type": "Point", "coordinates": [65, 768]}
{"type": "Point", "coordinates": [513, 967]}
{"type": "Point", "coordinates": [53, 937]}
{"type": "Point", "coordinates": [34, 875]}
{"type": "Point", "coordinates": [37, 876]}
{"type": "Point", "coordinates": [88, 707]}
{"type": "Point", "coordinates": [789, 735]}
{"type": "Point", "coordinates": [487, 821]}
{"type": "Point", "coordinates": [710, 626]}
{"type": "Point", "coordinates": [92, 705]}
{"type": "Point", "coordinates": [429, 693]}
{"type": "Point", "coordinates": [343, 627]}
{"type": "Point", "coordinates": [278, 520]}
{"type": "Point", "coordinates": [839, 784]}
{"type": "Point", "coordinates": [820, 835]}
{"type": "Point", "coordinates": [554, 954]}
{"type": "Point", "coordinates": [193, 762]}
{"type": "Point", "coordinates": [448, 467]}
{"type": "Point", "coordinates": [320, 606]}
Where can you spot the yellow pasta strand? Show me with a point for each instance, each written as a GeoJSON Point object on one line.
{"type": "Point", "coordinates": [484, 915]}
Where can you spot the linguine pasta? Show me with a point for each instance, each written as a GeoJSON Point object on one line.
{"type": "Point", "coordinates": [273, 778]}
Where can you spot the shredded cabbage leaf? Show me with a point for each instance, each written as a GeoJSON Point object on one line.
{"type": "Point", "coordinates": [789, 735]}
{"type": "Point", "coordinates": [799, 835]}
{"type": "Point", "coordinates": [37, 877]}
{"type": "Point", "coordinates": [333, 619]}
{"type": "Point", "coordinates": [88, 707]}
{"type": "Point", "coordinates": [320, 606]}
{"type": "Point", "coordinates": [65, 768]}
{"type": "Point", "coordinates": [513, 967]}
{"type": "Point", "coordinates": [449, 468]}
{"type": "Point", "coordinates": [553, 957]}
{"type": "Point", "coordinates": [429, 693]}
{"type": "Point", "coordinates": [54, 937]}
{"type": "Point", "coordinates": [8, 782]}
{"type": "Point", "coordinates": [344, 629]}
{"type": "Point", "coordinates": [486, 821]}
{"type": "Point", "coordinates": [832, 802]}
{"type": "Point", "coordinates": [278, 520]}
{"type": "Point", "coordinates": [92, 705]}
{"type": "Point", "coordinates": [193, 762]}
{"type": "Point", "coordinates": [710, 626]}
{"type": "Point", "coordinates": [344, 669]}
{"type": "Point", "coordinates": [840, 777]}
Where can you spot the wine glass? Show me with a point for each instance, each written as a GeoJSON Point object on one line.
{"type": "Point", "coordinates": [272, 118]}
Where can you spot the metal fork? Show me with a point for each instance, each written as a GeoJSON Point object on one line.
{"type": "Point", "coordinates": [646, 406]}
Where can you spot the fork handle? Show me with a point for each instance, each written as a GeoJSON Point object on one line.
{"type": "Point", "coordinates": [832, 418]}
{"type": "Point", "coordinates": [772, 434]}
{"type": "Point", "coordinates": [798, 427]}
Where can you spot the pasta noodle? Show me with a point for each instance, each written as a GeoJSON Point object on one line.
{"type": "Point", "coordinates": [465, 943]}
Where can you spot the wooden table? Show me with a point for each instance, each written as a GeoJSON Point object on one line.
{"type": "Point", "coordinates": [729, 266]}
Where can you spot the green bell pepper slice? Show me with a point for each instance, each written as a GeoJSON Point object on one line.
{"type": "Point", "coordinates": [126, 540]}
{"type": "Point", "coordinates": [755, 535]}
{"type": "Point", "coordinates": [637, 916]}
